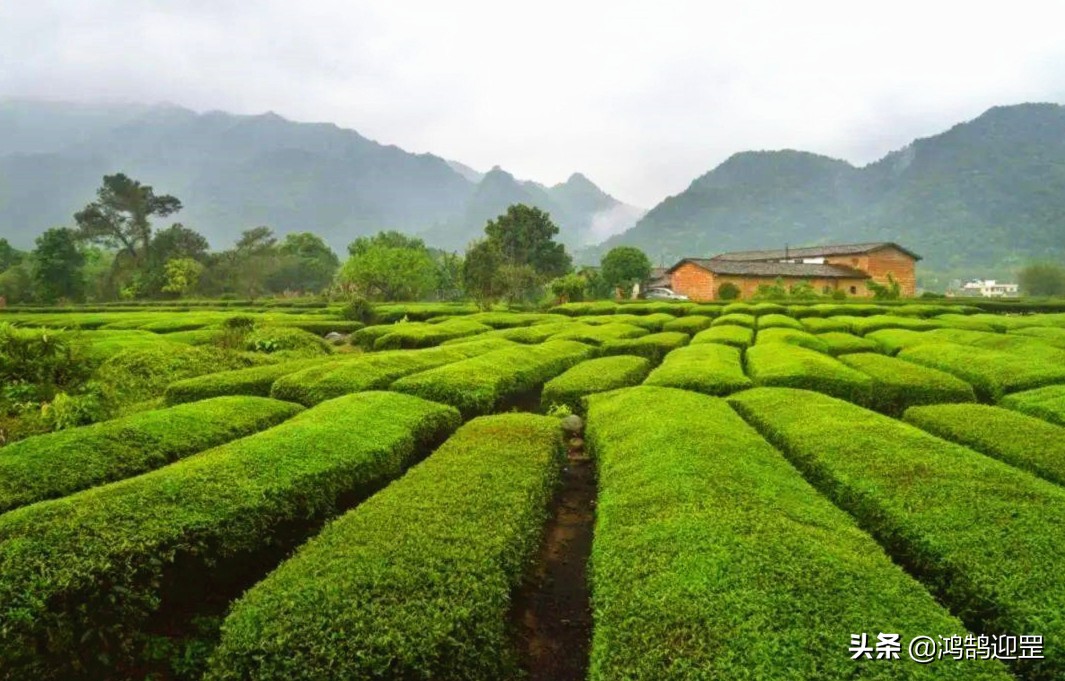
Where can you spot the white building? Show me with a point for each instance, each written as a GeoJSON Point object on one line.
{"type": "Point", "coordinates": [988, 289]}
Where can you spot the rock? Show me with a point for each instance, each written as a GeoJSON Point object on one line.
{"type": "Point", "coordinates": [335, 338]}
{"type": "Point", "coordinates": [572, 424]}
{"type": "Point", "coordinates": [576, 443]}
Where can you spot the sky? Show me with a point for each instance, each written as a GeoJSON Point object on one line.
{"type": "Point", "coordinates": [642, 97]}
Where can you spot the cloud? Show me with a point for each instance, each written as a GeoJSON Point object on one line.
{"type": "Point", "coordinates": [642, 97]}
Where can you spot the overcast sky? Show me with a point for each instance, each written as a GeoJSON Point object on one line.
{"type": "Point", "coordinates": [641, 96]}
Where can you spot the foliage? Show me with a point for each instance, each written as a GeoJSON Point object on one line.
{"type": "Point", "coordinates": [86, 573]}
{"type": "Point", "coordinates": [255, 381]}
{"type": "Point", "coordinates": [36, 364]}
{"type": "Point", "coordinates": [728, 291]}
{"type": "Point", "coordinates": [58, 464]}
{"type": "Point", "coordinates": [711, 368]}
{"type": "Point", "coordinates": [729, 334]}
{"type": "Point", "coordinates": [490, 484]}
{"type": "Point", "coordinates": [735, 318]}
{"type": "Point", "coordinates": [486, 383]}
{"type": "Point", "coordinates": [121, 215]}
{"type": "Point", "coordinates": [269, 339]}
{"type": "Point", "coordinates": [1042, 279]}
{"type": "Point", "coordinates": [481, 273]}
{"type": "Point", "coordinates": [691, 325]}
{"type": "Point", "coordinates": [357, 308]}
{"type": "Point", "coordinates": [57, 266]}
{"type": "Point", "coordinates": [898, 384]}
{"type": "Point", "coordinates": [791, 336]}
{"type": "Point", "coordinates": [775, 291]}
{"type": "Point", "coordinates": [992, 373]}
{"type": "Point", "coordinates": [182, 276]}
{"type": "Point", "coordinates": [839, 343]}
{"type": "Point", "coordinates": [16, 284]}
{"type": "Point", "coordinates": [623, 267]}
{"type": "Point", "coordinates": [9, 256]}
{"type": "Point", "coordinates": [593, 376]}
{"type": "Point", "coordinates": [524, 236]}
{"type": "Point", "coordinates": [703, 530]}
{"type": "Point", "coordinates": [569, 288]}
{"type": "Point", "coordinates": [792, 366]}
{"type": "Point", "coordinates": [778, 321]}
{"type": "Point", "coordinates": [598, 334]}
{"type": "Point", "coordinates": [1046, 403]}
{"type": "Point", "coordinates": [653, 346]}
{"type": "Point", "coordinates": [372, 371]}
{"type": "Point", "coordinates": [892, 290]}
{"type": "Point", "coordinates": [305, 263]}
{"type": "Point", "coordinates": [932, 523]}
{"type": "Point", "coordinates": [423, 335]}
{"type": "Point", "coordinates": [381, 271]}
{"type": "Point", "coordinates": [1022, 441]}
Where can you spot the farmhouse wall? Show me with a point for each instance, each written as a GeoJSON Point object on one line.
{"type": "Point", "coordinates": [877, 264]}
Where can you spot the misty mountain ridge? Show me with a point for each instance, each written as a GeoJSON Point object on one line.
{"type": "Point", "coordinates": [986, 195]}
{"type": "Point", "coordinates": [235, 172]}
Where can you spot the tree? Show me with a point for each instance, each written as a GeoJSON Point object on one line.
{"type": "Point", "coordinates": [623, 267]}
{"type": "Point", "coordinates": [57, 265]}
{"type": "Point", "coordinates": [256, 241]}
{"type": "Point", "coordinates": [16, 284]}
{"type": "Point", "coordinates": [890, 291]}
{"type": "Point", "coordinates": [182, 276]}
{"type": "Point", "coordinates": [1042, 279]}
{"type": "Point", "coordinates": [305, 263]}
{"type": "Point", "coordinates": [9, 256]}
{"type": "Point", "coordinates": [525, 236]}
{"type": "Point", "coordinates": [448, 274]}
{"type": "Point", "coordinates": [390, 239]}
{"type": "Point", "coordinates": [389, 273]}
{"type": "Point", "coordinates": [173, 243]}
{"type": "Point", "coordinates": [774, 291]}
{"type": "Point", "coordinates": [481, 275]}
{"type": "Point", "coordinates": [121, 215]}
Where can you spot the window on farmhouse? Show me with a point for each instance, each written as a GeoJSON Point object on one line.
{"type": "Point", "coordinates": [854, 289]}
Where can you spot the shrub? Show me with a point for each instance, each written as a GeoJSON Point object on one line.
{"type": "Point", "coordinates": [589, 308]}
{"type": "Point", "coordinates": [322, 327]}
{"type": "Point", "coordinates": [358, 309]}
{"type": "Point", "coordinates": [690, 325]}
{"type": "Point", "coordinates": [728, 291]}
{"type": "Point", "coordinates": [738, 308]}
{"type": "Point", "coordinates": [735, 318]}
{"type": "Point", "coordinates": [372, 371]}
{"type": "Point", "coordinates": [761, 309]}
{"type": "Point", "coordinates": [490, 485]}
{"type": "Point", "coordinates": [418, 335]}
{"type": "Point", "coordinates": [250, 381]}
{"type": "Point", "coordinates": [844, 343]}
{"type": "Point", "coordinates": [44, 361]}
{"type": "Point", "coordinates": [489, 382]}
{"type": "Point", "coordinates": [933, 524]}
{"type": "Point", "coordinates": [86, 573]}
{"type": "Point", "coordinates": [898, 384]}
{"type": "Point", "coordinates": [960, 321]}
{"type": "Point", "coordinates": [891, 341]}
{"type": "Point", "coordinates": [736, 336]}
{"type": "Point", "coordinates": [778, 321]}
{"type": "Point", "coordinates": [711, 368]}
{"type": "Point", "coordinates": [791, 337]}
{"type": "Point", "coordinates": [791, 366]}
{"type": "Point", "coordinates": [367, 336]}
{"type": "Point", "coordinates": [704, 309]}
{"type": "Point", "coordinates": [270, 339]}
{"type": "Point", "coordinates": [509, 320]}
{"type": "Point", "coordinates": [140, 375]}
{"type": "Point", "coordinates": [594, 376]}
{"type": "Point", "coordinates": [1049, 335]}
{"type": "Point", "coordinates": [1019, 440]}
{"type": "Point", "coordinates": [599, 334]}
{"type": "Point", "coordinates": [862, 326]}
{"type": "Point", "coordinates": [652, 322]}
{"type": "Point", "coordinates": [1046, 403]}
{"type": "Point", "coordinates": [993, 373]}
{"type": "Point", "coordinates": [537, 333]}
{"type": "Point", "coordinates": [654, 346]}
{"type": "Point", "coordinates": [821, 325]}
{"type": "Point", "coordinates": [57, 464]}
{"type": "Point", "coordinates": [704, 532]}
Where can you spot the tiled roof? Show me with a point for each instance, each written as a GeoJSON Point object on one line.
{"type": "Point", "coordinates": [814, 251]}
{"type": "Point", "coordinates": [773, 269]}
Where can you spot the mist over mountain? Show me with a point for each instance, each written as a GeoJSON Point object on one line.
{"type": "Point", "coordinates": [236, 172]}
{"type": "Point", "coordinates": [985, 196]}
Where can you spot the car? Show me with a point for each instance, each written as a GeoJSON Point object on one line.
{"type": "Point", "coordinates": [664, 294]}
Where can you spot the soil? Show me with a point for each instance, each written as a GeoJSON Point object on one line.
{"type": "Point", "coordinates": [553, 618]}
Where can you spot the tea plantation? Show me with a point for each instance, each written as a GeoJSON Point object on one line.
{"type": "Point", "coordinates": [273, 492]}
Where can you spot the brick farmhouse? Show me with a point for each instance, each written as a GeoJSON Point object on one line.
{"type": "Point", "coordinates": [846, 267]}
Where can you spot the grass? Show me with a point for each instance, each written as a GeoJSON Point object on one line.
{"type": "Point", "coordinates": [1046, 403]}
{"type": "Point", "coordinates": [993, 373]}
{"type": "Point", "coordinates": [736, 336]}
{"type": "Point", "coordinates": [84, 574]}
{"type": "Point", "coordinates": [593, 376]}
{"type": "Point", "coordinates": [710, 368]}
{"type": "Point", "coordinates": [57, 464]}
{"type": "Point", "coordinates": [985, 537]}
{"type": "Point", "coordinates": [1022, 441]}
{"type": "Point", "coordinates": [653, 346]}
{"type": "Point", "coordinates": [898, 384]}
{"type": "Point", "coordinates": [791, 366]}
{"type": "Point", "coordinates": [714, 559]}
{"type": "Point", "coordinates": [415, 582]}
{"type": "Point", "coordinates": [488, 382]}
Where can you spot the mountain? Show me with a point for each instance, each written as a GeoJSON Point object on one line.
{"type": "Point", "coordinates": [236, 172]}
{"type": "Point", "coordinates": [985, 196]}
